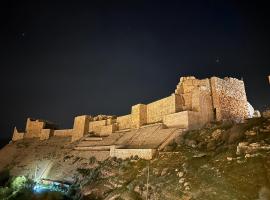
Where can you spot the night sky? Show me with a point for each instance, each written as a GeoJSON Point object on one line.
{"type": "Point", "coordinates": [59, 60]}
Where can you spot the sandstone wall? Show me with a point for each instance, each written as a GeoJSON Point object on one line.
{"type": "Point", "coordinates": [179, 119]}
{"type": "Point", "coordinates": [95, 126]}
{"type": "Point", "coordinates": [186, 88]}
{"type": "Point", "coordinates": [203, 104]}
{"type": "Point", "coordinates": [146, 154]}
{"type": "Point", "coordinates": [156, 110]}
{"type": "Point", "coordinates": [33, 128]}
{"type": "Point", "coordinates": [62, 133]}
{"type": "Point", "coordinates": [46, 134]}
{"type": "Point", "coordinates": [80, 127]}
{"type": "Point", "coordinates": [138, 115]}
{"type": "Point", "coordinates": [107, 130]}
{"type": "Point", "coordinates": [185, 119]}
{"type": "Point", "coordinates": [17, 135]}
{"type": "Point", "coordinates": [124, 122]}
{"type": "Point", "coordinates": [229, 99]}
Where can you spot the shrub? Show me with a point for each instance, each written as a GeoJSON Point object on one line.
{"type": "Point", "coordinates": [92, 160]}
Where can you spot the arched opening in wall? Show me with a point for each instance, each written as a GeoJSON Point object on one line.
{"type": "Point", "coordinates": [215, 114]}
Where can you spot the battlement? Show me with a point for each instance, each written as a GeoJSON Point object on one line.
{"type": "Point", "coordinates": [193, 104]}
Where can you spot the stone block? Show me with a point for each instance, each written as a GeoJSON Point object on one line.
{"type": "Point", "coordinates": [124, 122]}
{"type": "Point", "coordinates": [46, 134]}
{"type": "Point", "coordinates": [80, 127]}
{"type": "Point", "coordinates": [146, 154]}
{"type": "Point", "coordinates": [17, 135]}
{"type": "Point", "coordinates": [107, 130]}
{"type": "Point", "coordinates": [138, 115]}
{"type": "Point", "coordinates": [95, 126]}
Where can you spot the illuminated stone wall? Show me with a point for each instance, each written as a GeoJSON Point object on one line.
{"type": "Point", "coordinates": [229, 99]}
{"type": "Point", "coordinates": [80, 127]}
{"type": "Point", "coordinates": [63, 132]}
{"type": "Point", "coordinates": [146, 154]}
{"type": "Point", "coordinates": [193, 104]}
{"type": "Point", "coordinates": [138, 115]}
{"type": "Point", "coordinates": [33, 128]}
{"type": "Point", "coordinates": [156, 110]}
{"type": "Point", "coordinates": [17, 135]}
{"type": "Point", "coordinates": [123, 122]}
{"type": "Point", "coordinates": [46, 134]}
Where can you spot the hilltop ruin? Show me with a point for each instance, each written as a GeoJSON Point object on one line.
{"type": "Point", "coordinates": [193, 104]}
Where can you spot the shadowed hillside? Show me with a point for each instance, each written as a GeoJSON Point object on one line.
{"type": "Point", "coordinates": [221, 161]}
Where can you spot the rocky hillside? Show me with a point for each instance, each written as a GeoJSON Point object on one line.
{"type": "Point", "coordinates": [223, 161]}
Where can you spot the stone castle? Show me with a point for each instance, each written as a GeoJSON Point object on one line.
{"type": "Point", "coordinates": [193, 104]}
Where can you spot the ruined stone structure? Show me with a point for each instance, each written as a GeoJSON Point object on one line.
{"type": "Point", "coordinates": [193, 104]}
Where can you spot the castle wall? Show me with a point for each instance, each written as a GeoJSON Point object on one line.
{"type": "Point", "coordinates": [138, 115]}
{"type": "Point", "coordinates": [124, 122]}
{"type": "Point", "coordinates": [185, 119]}
{"type": "Point", "coordinates": [46, 134]}
{"type": "Point", "coordinates": [179, 119]}
{"type": "Point", "coordinates": [229, 99]}
{"type": "Point", "coordinates": [17, 135]}
{"type": "Point", "coordinates": [107, 130]}
{"type": "Point", "coordinates": [203, 104]}
{"type": "Point", "coordinates": [33, 128]}
{"type": "Point", "coordinates": [156, 110]}
{"type": "Point", "coordinates": [146, 154]}
{"type": "Point", "coordinates": [80, 127]}
{"type": "Point", "coordinates": [95, 126]}
{"type": "Point", "coordinates": [63, 132]}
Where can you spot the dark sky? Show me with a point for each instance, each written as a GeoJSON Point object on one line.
{"type": "Point", "coordinates": [59, 60]}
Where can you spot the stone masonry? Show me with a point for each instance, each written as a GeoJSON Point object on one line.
{"type": "Point", "coordinates": [194, 103]}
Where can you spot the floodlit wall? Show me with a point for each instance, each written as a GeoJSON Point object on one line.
{"type": "Point", "coordinates": [63, 133]}
{"type": "Point", "coordinates": [46, 134]}
{"type": "Point", "coordinates": [17, 135]}
{"type": "Point", "coordinates": [124, 122]}
{"type": "Point", "coordinates": [80, 127]}
{"type": "Point", "coordinates": [184, 119]}
{"type": "Point", "coordinates": [107, 130]}
{"type": "Point", "coordinates": [95, 126]}
{"type": "Point", "coordinates": [146, 154]}
{"type": "Point", "coordinates": [33, 128]}
{"type": "Point", "coordinates": [229, 99]}
{"type": "Point", "coordinates": [156, 110]}
{"type": "Point", "coordinates": [138, 115]}
{"type": "Point", "coordinates": [179, 119]}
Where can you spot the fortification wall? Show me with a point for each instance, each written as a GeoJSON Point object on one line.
{"type": "Point", "coordinates": [146, 154]}
{"type": "Point", "coordinates": [203, 104]}
{"type": "Point", "coordinates": [95, 126]}
{"type": "Point", "coordinates": [138, 115]}
{"type": "Point", "coordinates": [80, 127]}
{"type": "Point", "coordinates": [156, 110]}
{"type": "Point", "coordinates": [185, 119]}
{"type": "Point", "coordinates": [33, 128]}
{"type": "Point", "coordinates": [229, 99]}
{"type": "Point", "coordinates": [124, 122]}
{"type": "Point", "coordinates": [17, 135]}
{"type": "Point", "coordinates": [107, 130]}
{"type": "Point", "coordinates": [62, 133]}
{"type": "Point", "coordinates": [186, 88]}
{"type": "Point", "coordinates": [46, 134]}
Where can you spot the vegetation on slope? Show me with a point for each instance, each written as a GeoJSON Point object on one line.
{"type": "Point", "coordinates": [202, 164]}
